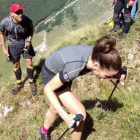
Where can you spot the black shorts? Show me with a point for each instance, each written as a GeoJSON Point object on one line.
{"type": "Point", "coordinates": [47, 75]}
{"type": "Point", "coordinates": [15, 52]}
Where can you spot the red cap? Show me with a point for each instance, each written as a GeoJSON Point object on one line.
{"type": "Point", "coordinates": [15, 7]}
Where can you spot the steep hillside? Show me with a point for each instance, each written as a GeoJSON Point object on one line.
{"type": "Point", "coordinates": [74, 16]}
{"type": "Point", "coordinates": [26, 113]}
{"type": "Point", "coordinates": [37, 10]}
{"type": "Point", "coordinates": [21, 115]}
{"type": "Point", "coordinates": [78, 13]}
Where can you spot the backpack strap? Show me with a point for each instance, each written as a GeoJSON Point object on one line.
{"type": "Point", "coordinates": [11, 27]}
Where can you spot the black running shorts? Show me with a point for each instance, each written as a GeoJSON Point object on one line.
{"type": "Point", "coordinates": [47, 75]}
{"type": "Point", "coordinates": [15, 52]}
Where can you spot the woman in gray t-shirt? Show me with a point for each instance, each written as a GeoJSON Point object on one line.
{"type": "Point", "coordinates": [63, 66]}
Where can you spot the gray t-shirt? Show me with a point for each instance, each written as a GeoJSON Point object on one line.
{"type": "Point", "coordinates": [70, 61]}
{"type": "Point", "coordinates": [17, 33]}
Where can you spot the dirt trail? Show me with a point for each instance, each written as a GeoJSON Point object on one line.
{"type": "Point", "coordinates": [42, 47]}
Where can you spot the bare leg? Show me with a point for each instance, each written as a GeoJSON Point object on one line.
{"type": "Point", "coordinates": [29, 62]}
{"type": "Point", "coordinates": [50, 117]}
{"type": "Point", "coordinates": [74, 106]}
{"type": "Point", "coordinates": [72, 103]}
{"type": "Point", "coordinates": [51, 114]}
{"type": "Point", "coordinates": [16, 64]}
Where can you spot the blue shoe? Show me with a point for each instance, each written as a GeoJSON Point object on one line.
{"type": "Point", "coordinates": [44, 136]}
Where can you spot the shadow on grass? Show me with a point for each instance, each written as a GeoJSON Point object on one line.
{"type": "Point", "coordinates": [113, 105]}
{"type": "Point", "coordinates": [88, 127]}
{"type": "Point", "coordinates": [89, 123]}
{"type": "Point", "coordinates": [38, 69]}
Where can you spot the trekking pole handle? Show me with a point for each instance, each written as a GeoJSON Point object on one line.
{"type": "Point", "coordinates": [123, 70]}
{"type": "Point", "coordinates": [77, 118]}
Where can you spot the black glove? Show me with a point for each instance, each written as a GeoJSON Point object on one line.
{"type": "Point", "coordinates": [123, 70]}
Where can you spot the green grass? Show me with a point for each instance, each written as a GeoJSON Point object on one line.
{"type": "Point", "coordinates": [88, 12]}
{"type": "Point", "coordinates": [121, 121]}
{"type": "Point", "coordinates": [37, 40]}
{"type": "Point", "coordinates": [92, 11]}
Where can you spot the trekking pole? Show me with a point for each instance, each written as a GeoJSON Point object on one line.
{"type": "Point", "coordinates": [126, 86]}
{"type": "Point", "coordinates": [108, 99]}
{"type": "Point", "coordinates": [122, 71]}
{"type": "Point", "coordinates": [77, 118]}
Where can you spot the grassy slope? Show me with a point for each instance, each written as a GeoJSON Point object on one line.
{"type": "Point", "coordinates": [88, 12]}
{"type": "Point", "coordinates": [121, 122]}
{"type": "Point", "coordinates": [46, 8]}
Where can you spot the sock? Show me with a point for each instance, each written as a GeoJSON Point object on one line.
{"type": "Point", "coordinates": [18, 73]}
{"type": "Point", "coordinates": [31, 81]}
{"type": "Point", "coordinates": [19, 82]}
{"type": "Point", "coordinates": [44, 129]}
{"type": "Point", "coordinates": [30, 72]}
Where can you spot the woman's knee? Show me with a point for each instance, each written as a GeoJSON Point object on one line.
{"type": "Point", "coordinates": [83, 113]}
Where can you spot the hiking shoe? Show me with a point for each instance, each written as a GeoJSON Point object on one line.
{"type": "Point", "coordinates": [122, 35]}
{"type": "Point", "coordinates": [16, 88]}
{"type": "Point", "coordinates": [113, 30]}
{"type": "Point", "coordinates": [44, 136]}
{"type": "Point", "coordinates": [33, 89]}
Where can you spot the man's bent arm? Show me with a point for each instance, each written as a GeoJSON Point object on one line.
{"type": "Point", "coordinates": [30, 35]}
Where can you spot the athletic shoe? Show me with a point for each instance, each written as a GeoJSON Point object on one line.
{"type": "Point", "coordinates": [122, 35]}
{"type": "Point", "coordinates": [44, 136]}
{"type": "Point", "coordinates": [113, 30]}
{"type": "Point", "coordinates": [33, 89]}
{"type": "Point", "coordinates": [16, 88]}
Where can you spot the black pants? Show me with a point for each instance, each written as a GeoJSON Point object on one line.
{"type": "Point", "coordinates": [119, 6]}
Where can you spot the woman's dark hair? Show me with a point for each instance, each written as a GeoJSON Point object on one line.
{"type": "Point", "coordinates": [105, 53]}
